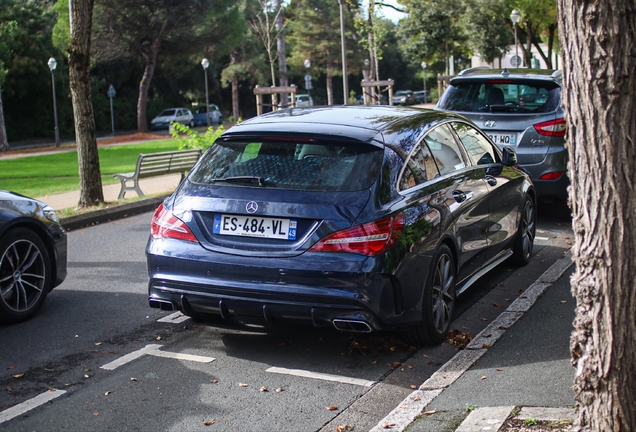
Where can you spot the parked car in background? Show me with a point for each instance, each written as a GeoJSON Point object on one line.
{"type": "Point", "coordinates": [403, 97]}
{"type": "Point", "coordinates": [361, 218]}
{"type": "Point", "coordinates": [520, 108]}
{"type": "Point", "coordinates": [167, 116]}
{"type": "Point", "coordinates": [32, 255]}
{"type": "Point", "coordinates": [200, 115]}
{"type": "Point", "coordinates": [421, 96]}
{"type": "Point", "coordinates": [302, 100]}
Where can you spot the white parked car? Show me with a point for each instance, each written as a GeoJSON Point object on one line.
{"type": "Point", "coordinates": [302, 100]}
{"type": "Point", "coordinates": [167, 116]}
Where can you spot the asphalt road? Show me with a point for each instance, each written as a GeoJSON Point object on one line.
{"type": "Point", "coordinates": [185, 375]}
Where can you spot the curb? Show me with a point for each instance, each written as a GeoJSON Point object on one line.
{"type": "Point", "coordinates": [415, 403]}
{"type": "Point", "coordinates": [109, 214]}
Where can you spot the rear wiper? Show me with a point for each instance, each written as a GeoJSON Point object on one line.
{"type": "Point", "coordinates": [242, 179]}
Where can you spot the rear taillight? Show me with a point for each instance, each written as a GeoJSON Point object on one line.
{"type": "Point", "coordinates": [370, 239]}
{"type": "Point", "coordinates": [554, 128]}
{"type": "Point", "coordinates": [552, 175]}
{"type": "Point", "coordinates": [166, 225]}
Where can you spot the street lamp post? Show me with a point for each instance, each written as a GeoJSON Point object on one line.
{"type": "Point", "coordinates": [423, 64]}
{"type": "Point", "coordinates": [111, 94]}
{"type": "Point", "coordinates": [205, 63]}
{"type": "Point", "coordinates": [365, 90]}
{"type": "Point", "coordinates": [345, 85]}
{"type": "Point", "coordinates": [52, 65]}
{"type": "Point", "coordinates": [515, 17]}
{"type": "Point", "coordinates": [307, 77]}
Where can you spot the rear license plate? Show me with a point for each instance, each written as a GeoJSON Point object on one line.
{"type": "Point", "coordinates": [254, 226]}
{"type": "Point", "coordinates": [503, 139]}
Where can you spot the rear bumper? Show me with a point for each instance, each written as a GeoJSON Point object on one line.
{"type": "Point", "coordinates": [318, 290]}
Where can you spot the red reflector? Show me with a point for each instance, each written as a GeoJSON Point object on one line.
{"type": "Point", "coordinates": [554, 128]}
{"type": "Point", "coordinates": [552, 175]}
{"type": "Point", "coordinates": [370, 239]}
{"type": "Point", "coordinates": [166, 225]}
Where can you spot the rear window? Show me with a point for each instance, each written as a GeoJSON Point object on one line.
{"type": "Point", "coordinates": [291, 165]}
{"type": "Point", "coordinates": [167, 113]}
{"type": "Point", "coordinates": [501, 96]}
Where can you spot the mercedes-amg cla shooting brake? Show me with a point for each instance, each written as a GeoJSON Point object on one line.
{"type": "Point", "coordinates": [359, 218]}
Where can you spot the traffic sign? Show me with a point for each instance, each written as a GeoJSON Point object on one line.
{"type": "Point", "coordinates": [515, 61]}
{"type": "Point", "coordinates": [308, 85]}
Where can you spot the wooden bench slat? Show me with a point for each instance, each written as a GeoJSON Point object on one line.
{"type": "Point", "coordinates": [156, 164]}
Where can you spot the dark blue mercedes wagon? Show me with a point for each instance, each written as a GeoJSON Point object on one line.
{"type": "Point", "coordinates": [360, 218]}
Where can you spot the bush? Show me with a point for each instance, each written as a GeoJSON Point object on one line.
{"type": "Point", "coordinates": [193, 139]}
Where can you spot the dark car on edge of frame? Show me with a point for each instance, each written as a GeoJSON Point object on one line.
{"type": "Point", "coordinates": [32, 255]}
{"type": "Point", "coordinates": [360, 218]}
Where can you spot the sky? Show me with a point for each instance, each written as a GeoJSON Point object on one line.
{"type": "Point", "coordinates": [390, 13]}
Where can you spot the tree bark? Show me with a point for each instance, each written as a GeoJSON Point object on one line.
{"type": "Point", "coordinates": [150, 56]}
{"type": "Point", "coordinates": [280, 45]}
{"type": "Point", "coordinates": [4, 143]}
{"type": "Point", "coordinates": [79, 73]}
{"type": "Point", "coordinates": [598, 40]}
{"type": "Point", "coordinates": [235, 89]}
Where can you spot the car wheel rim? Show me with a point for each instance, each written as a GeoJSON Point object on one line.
{"type": "Point", "coordinates": [22, 275]}
{"type": "Point", "coordinates": [527, 229]}
{"type": "Point", "coordinates": [443, 295]}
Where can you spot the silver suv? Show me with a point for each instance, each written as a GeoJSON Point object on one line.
{"type": "Point", "coordinates": [520, 108]}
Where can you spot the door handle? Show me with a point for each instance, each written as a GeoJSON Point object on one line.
{"type": "Point", "coordinates": [491, 180]}
{"type": "Point", "coordinates": [459, 196]}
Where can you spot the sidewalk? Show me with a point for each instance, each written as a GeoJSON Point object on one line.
{"type": "Point", "coordinates": [518, 367]}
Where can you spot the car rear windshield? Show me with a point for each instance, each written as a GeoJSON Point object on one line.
{"type": "Point", "coordinates": [289, 164]}
{"type": "Point", "coordinates": [167, 113]}
{"type": "Point", "coordinates": [501, 96]}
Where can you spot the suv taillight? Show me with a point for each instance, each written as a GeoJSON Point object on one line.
{"type": "Point", "coordinates": [370, 239]}
{"type": "Point", "coordinates": [166, 225]}
{"type": "Point", "coordinates": [554, 128]}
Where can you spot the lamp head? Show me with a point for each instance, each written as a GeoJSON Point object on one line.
{"type": "Point", "coordinates": [307, 63]}
{"type": "Point", "coordinates": [515, 16]}
{"type": "Point", "coordinates": [423, 64]}
{"type": "Point", "coordinates": [205, 63]}
{"type": "Point", "coordinates": [52, 64]}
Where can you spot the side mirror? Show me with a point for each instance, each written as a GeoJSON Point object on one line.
{"type": "Point", "coordinates": [509, 156]}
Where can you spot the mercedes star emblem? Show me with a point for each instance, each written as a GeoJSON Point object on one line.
{"type": "Point", "coordinates": [251, 207]}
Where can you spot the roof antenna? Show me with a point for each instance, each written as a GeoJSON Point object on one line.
{"type": "Point", "coordinates": [505, 72]}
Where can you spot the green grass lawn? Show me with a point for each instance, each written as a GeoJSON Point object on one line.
{"type": "Point", "coordinates": [37, 176]}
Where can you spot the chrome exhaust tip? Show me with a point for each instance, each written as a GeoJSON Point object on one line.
{"type": "Point", "coordinates": [352, 325]}
{"type": "Point", "coordinates": [161, 304]}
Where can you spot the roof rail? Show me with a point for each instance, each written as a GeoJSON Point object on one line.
{"type": "Point", "coordinates": [471, 70]}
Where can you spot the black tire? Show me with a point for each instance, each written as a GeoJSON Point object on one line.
{"type": "Point", "coordinates": [220, 121]}
{"type": "Point", "coordinates": [438, 301]}
{"type": "Point", "coordinates": [524, 241]}
{"type": "Point", "coordinates": [25, 275]}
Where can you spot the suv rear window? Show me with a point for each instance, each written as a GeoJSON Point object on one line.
{"type": "Point", "coordinates": [501, 95]}
{"type": "Point", "coordinates": [315, 165]}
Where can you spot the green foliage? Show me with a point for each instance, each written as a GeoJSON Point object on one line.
{"type": "Point", "coordinates": [470, 408]}
{"type": "Point", "coordinates": [489, 28]}
{"type": "Point", "coordinates": [530, 422]}
{"type": "Point", "coordinates": [192, 138]}
{"type": "Point", "coordinates": [62, 31]}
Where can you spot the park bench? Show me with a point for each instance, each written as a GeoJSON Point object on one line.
{"type": "Point", "coordinates": [157, 164]}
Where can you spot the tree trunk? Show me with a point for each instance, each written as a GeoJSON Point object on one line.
{"type": "Point", "coordinates": [598, 42]}
{"type": "Point", "coordinates": [329, 85]}
{"type": "Point", "coordinates": [235, 88]}
{"type": "Point", "coordinates": [79, 73]}
{"type": "Point", "coordinates": [4, 143]}
{"type": "Point", "coordinates": [144, 87]}
{"type": "Point", "coordinates": [280, 45]}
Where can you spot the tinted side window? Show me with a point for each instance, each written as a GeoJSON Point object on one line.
{"type": "Point", "coordinates": [419, 168]}
{"type": "Point", "coordinates": [446, 153]}
{"type": "Point", "coordinates": [479, 149]}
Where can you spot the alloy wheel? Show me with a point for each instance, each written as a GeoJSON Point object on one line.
{"type": "Point", "coordinates": [443, 293]}
{"type": "Point", "coordinates": [22, 275]}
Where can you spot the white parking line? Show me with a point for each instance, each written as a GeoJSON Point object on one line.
{"type": "Point", "coordinates": [174, 318]}
{"type": "Point", "coordinates": [153, 350]}
{"type": "Point", "coordinates": [542, 238]}
{"type": "Point", "coordinates": [321, 376]}
{"type": "Point", "coordinates": [28, 405]}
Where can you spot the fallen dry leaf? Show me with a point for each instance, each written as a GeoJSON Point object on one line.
{"type": "Point", "coordinates": [427, 413]}
{"type": "Point", "coordinates": [497, 305]}
{"type": "Point", "coordinates": [18, 376]}
{"type": "Point", "coordinates": [242, 385]}
{"type": "Point", "coordinates": [483, 377]}
{"type": "Point", "coordinates": [413, 386]}
{"type": "Point", "coordinates": [344, 428]}
{"type": "Point", "coordinates": [9, 389]}
{"type": "Point", "coordinates": [49, 370]}
{"type": "Point", "coordinates": [98, 343]}
{"type": "Point", "coordinates": [52, 389]}
{"type": "Point", "coordinates": [395, 364]}
{"type": "Point", "coordinates": [374, 362]}
{"type": "Point", "coordinates": [133, 379]}
{"type": "Point", "coordinates": [86, 376]}
{"type": "Point", "coordinates": [485, 346]}
{"type": "Point", "coordinates": [499, 369]}
{"type": "Point", "coordinates": [417, 398]}
{"type": "Point", "coordinates": [158, 338]}
{"type": "Point", "coordinates": [214, 381]}
{"type": "Point", "coordinates": [425, 355]}
{"type": "Point", "coordinates": [211, 422]}
{"type": "Point", "coordinates": [95, 414]}
{"type": "Point", "coordinates": [278, 390]}
{"type": "Point", "coordinates": [484, 319]}
{"type": "Point", "coordinates": [331, 408]}
{"type": "Point", "coordinates": [263, 389]}
{"type": "Point", "coordinates": [388, 425]}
